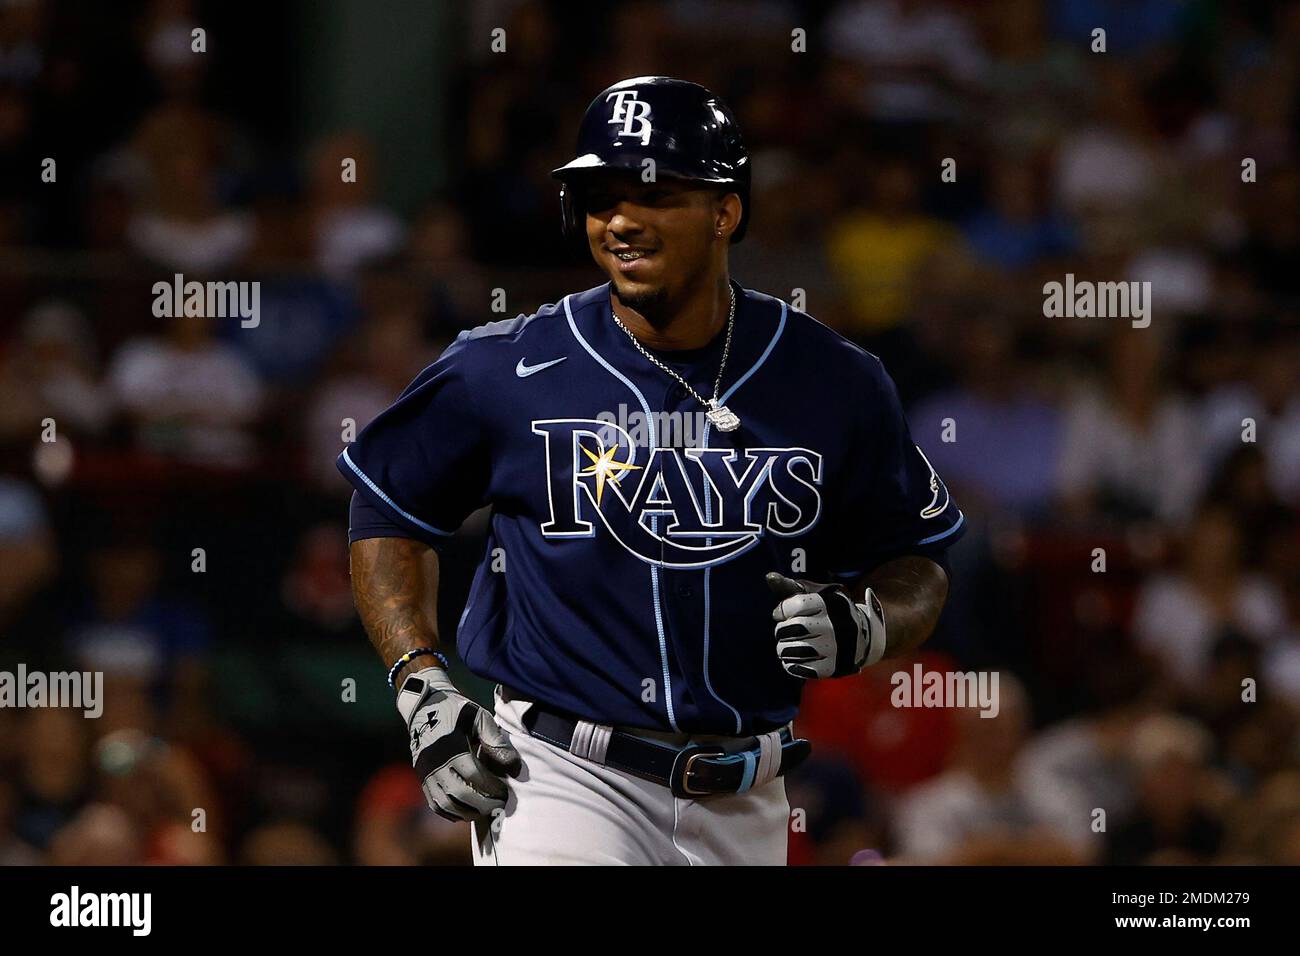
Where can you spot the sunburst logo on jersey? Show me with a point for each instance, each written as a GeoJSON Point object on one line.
{"type": "Point", "coordinates": [604, 467]}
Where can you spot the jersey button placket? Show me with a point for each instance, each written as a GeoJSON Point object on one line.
{"type": "Point", "coordinates": [681, 402]}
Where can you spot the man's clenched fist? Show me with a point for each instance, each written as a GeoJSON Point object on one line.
{"type": "Point", "coordinates": [458, 751]}
{"type": "Point", "coordinates": [821, 632]}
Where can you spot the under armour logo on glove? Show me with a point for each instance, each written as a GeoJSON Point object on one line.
{"type": "Point", "coordinates": [419, 733]}
{"type": "Point", "coordinates": [821, 632]}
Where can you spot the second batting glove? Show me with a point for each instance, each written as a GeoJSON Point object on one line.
{"type": "Point", "coordinates": [822, 632]}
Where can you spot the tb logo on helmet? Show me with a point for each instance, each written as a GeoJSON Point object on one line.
{"type": "Point", "coordinates": [690, 134]}
{"type": "Point", "coordinates": [628, 110]}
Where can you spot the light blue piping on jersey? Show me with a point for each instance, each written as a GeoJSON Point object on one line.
{"type": "Point", "coordinates": [708, 517]}
{"type": "Point", "coordinates": [347, 459]}
{"type": "Point", "coordinates": [761, 359]}
{"type": "Point", "coordinates": [654, 521]}
{"type": "Point", "coordinates": [961, 518]}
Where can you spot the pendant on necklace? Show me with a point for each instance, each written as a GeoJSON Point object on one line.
{"type": "Point", "coordinates": [723, 418]}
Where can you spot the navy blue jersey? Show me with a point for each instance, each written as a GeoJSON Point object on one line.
{"type": "Point", "coordinates": [623, 578]}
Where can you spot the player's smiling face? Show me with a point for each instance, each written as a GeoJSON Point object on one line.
{"type": "Point", "coordinates": [651, 239]}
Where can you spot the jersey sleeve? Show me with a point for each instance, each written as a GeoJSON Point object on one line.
{"type": "Point", "coordinates": [895, 503]}
{"type": "Point", "coordinates": [367, 521]}
{"type": "Point", "coordinates": [424, 462]}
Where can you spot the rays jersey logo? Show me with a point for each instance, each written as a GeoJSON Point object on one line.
{"type": "Point", "coordinates": [629, 110]}
{"type": "Point", "coordinates": [675, 507]}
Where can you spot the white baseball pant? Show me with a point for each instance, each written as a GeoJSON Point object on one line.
{"type": "Point", "coordinates": [567, 810]}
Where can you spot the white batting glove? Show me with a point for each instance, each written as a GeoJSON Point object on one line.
{"type": "Point", "coordinates": [821, 632]}
{"type": "Point", "coordinates": [458, 751]}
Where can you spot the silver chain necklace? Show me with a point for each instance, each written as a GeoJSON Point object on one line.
{"type": "Point", "coordinates": [723, 418]}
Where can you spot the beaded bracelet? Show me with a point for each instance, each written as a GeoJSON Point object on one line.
{"type": "Point", "coordinates": [410, 656]}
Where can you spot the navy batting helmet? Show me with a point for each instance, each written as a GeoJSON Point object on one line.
{"type": "Point", "coordinates": [688, 132]}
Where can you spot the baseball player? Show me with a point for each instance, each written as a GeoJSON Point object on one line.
{"type": "Point", "coordinates": [652, 600]}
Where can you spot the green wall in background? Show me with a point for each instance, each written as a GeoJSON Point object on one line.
{"type": "Point", "coordinates": [376, 66]}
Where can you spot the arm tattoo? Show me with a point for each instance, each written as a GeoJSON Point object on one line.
{"type": "Point", "coordinates": [395, 588]}
{"type": "Point", "coordinates": [912, 590]}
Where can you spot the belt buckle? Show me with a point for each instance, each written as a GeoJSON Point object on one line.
{"type": "Point", "coordinates": [686, 774]}
{"type": "Point", "coordinates": [681, 780]}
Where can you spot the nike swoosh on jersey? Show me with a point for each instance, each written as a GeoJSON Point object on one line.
{"type": "Point", "coordinates": [523, 371]}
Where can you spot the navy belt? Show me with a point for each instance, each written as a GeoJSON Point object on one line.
{"type": "Point", "coordinates": [696, 770]}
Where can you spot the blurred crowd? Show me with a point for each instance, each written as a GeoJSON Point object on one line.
{"type": "Point", "coordinates": [170, 514]}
